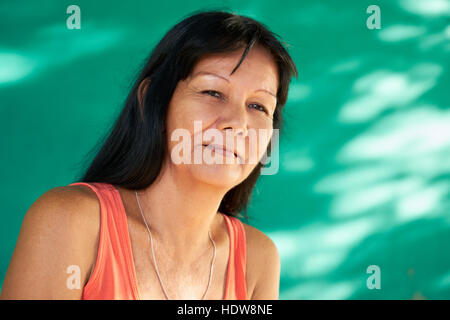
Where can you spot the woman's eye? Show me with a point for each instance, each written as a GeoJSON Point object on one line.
{"type": "Point", "coordinates": [219, 95]}
{"type": "Point", "coordinates": [212, 93]}
{"type": "Point", "coordinates": [260, 107]}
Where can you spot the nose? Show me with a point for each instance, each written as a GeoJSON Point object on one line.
{"type": "Point", "coordinates": [234, 120]}
{"type": "Point", "coordinates": [236, 132]}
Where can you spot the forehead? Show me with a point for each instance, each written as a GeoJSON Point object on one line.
{"type": "Point", "coordinates": [258, 66]}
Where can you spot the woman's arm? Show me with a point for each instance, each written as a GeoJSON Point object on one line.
{"type": "Point", "coordinates": [59, 234]}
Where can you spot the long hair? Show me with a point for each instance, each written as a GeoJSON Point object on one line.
{"type": "Point", "coordinates": [132, 152]}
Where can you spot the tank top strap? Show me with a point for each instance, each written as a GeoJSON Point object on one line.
{"type": "Point", "coordinates": [113, 276]}
{"type": "Point", "coordinates": [236, 287]}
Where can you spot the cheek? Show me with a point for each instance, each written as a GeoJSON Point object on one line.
{"type": "Point", "coordinates": [183, 114]}
{"type": "Point", "coordinates": [189, 117]}
{"type": "Point", "coordinates": [264, 136]}
{"type": "Point", "coordinates": [256, 145]}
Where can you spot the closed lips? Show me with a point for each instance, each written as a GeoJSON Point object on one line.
{"type": "Point", "coordinates": [222, 149]}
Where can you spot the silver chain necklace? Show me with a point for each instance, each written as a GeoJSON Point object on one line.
{"type": "Point", "coordinates": [154, 259]}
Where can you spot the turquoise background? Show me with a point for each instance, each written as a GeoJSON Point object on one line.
{"type": "Point", "coordinates": [364, 157]}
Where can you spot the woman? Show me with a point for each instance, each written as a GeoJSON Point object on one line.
{"type": "Point", "coordinates": [139, 225]}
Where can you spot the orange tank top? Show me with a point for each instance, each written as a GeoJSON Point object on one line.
{"type": "Point", "coordinates": [114, 275]}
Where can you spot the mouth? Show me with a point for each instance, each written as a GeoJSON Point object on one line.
{"type": "Point", "coordinates": [222, 149]}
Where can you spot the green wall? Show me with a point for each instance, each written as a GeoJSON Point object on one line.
{"type": "Point", "coordinates": [364, 157]}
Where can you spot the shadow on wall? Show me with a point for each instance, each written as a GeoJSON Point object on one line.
{"type": "Point", "coordinates": [365, 176]}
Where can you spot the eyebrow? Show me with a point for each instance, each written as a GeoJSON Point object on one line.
{"type": "Point", "coordinates": [221, 77]}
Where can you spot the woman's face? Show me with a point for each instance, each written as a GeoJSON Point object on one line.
{"type": "Point", "coordinates": [233, 108]}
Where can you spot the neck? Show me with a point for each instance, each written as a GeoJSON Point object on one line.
{"type": "Point", "coordinates": [180, 212]}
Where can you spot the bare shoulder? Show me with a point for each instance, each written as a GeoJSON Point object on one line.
{"type": "Point", "coordinates": [258, 242]}
{"type": "Point", "coordinates": [71, 195]}
{"type": "Point", "coordinates": [71, 207]}
{"type": "Point", "coordinates": [65, 207]}
{"type": "Point", "coordinates": [59, 229]}
{"type": "Point", "coordinates": [263, 264]}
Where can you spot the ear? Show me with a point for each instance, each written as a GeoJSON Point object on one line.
{"type": "Point", "coordinates": [142, 90]}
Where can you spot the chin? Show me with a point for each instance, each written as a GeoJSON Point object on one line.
{"type": "Point", "coordinates": [220, 175]}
